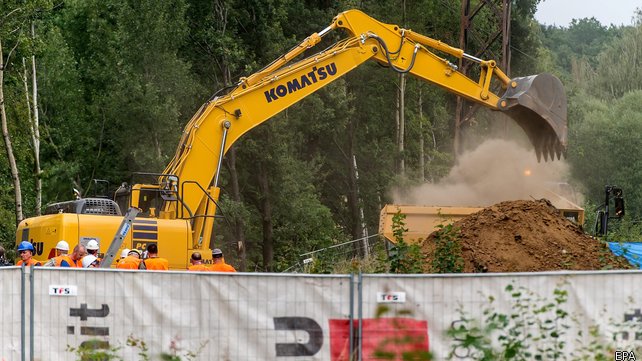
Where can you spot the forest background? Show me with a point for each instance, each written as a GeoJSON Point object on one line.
{"type": "Point", "coordinates": [98, 89]}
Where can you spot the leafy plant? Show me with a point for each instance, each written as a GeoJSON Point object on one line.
{"type": "Point", "coordinates": [404, 257]}
{"type": "Point", "coordinates": [93, 350]}
{"type": "Point", "coordinates": [140, 345]}
{"type": "Point", "coordinates": [447, 258]}
{"type": "Point", "coordinates": [536, 328]}
{"type": "Point", "coordinates": [533, 330]}
{"type": "Point", "coordinates": [176, 353]}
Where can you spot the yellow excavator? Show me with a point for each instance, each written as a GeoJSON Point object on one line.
{"type": "Point", "coordinates": [177, 209]}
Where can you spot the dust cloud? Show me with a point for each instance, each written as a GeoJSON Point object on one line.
{"type": "Point", "coordinates": [498, 170]}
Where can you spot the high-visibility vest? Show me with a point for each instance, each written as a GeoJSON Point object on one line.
{"type": "Point", "coordinates": [129, 262]}
{"type": "Point", "coordinates": [199, 267]}
{"type": "Point", "coordinates": [222, 267]}
{"type": "Point", "coordinates": [30, 262]}
{"type": "Point", "coordinates": [64, 261]}
{"type": "Point", "coordinates": [157, 264]}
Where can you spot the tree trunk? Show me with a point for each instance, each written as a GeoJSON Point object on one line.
{"type": "Point", "coordinates": [34, 121]}
{"type": "Point", "coordinates": [422, 153]}
{"type": "Point", "coordinates": [401, 99]}
{"type": "Point", "coordinates": [8, 146]}
{"type": "Point", "coordinates": [353, 191]}
{"type": "Point", "coordinates": [36, 128]}
{"type": "Point", "coordinates": [401, 104]}
{"type": "Point", "coordinates": [362, 218]}
{"type": "Point", "coordinates": [266, 217]}
{"type": "Point", "coordinates": [238, 226]}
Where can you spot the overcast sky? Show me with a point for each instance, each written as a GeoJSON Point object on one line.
{"type": "Point", "coordinates": [561, 12]}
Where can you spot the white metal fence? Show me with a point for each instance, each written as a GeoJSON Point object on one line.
{"type": "Point", "coordinates": [249, 316]}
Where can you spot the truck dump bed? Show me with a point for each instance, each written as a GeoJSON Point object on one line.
{"type": "Point", "coordinates": [423, 220]}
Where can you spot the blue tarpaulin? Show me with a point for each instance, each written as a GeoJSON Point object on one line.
{"type": "Point", "coordinates": [632, 251]}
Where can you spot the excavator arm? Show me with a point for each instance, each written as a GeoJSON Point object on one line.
{"type": "Point", "coordinates": [537, 103]}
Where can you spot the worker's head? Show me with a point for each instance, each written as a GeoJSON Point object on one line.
{"type": "Point", "coordinates": [79, 252]}
{"type": "Point", "coordinates": [217, 255]}
{"type": "Point", "coordinates": [62, 247]}
{"type": "Point", "coordinates": [124, 253]}
{"type": "Point", "coordinates": [25, 249]}
{"type": "Point", "coordinates": [89, 261]}
{"type": "Point", "coordinates": [134, 253]}
{"type": "Point", "coordinates": [92, 245]}
{"type": "Point", "coordinates": [152, 249]}
{"type": "Point", "coordinates": [196, 257]}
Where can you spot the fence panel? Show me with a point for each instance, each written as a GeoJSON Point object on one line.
{"type": "Point", "coordinates": [610, 300]}
{"type": "Point", "coordinates": [11, 301]}
{"type": "Point", "coordinates": [218, 316]}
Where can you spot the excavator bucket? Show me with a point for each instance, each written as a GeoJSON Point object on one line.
{"type": "Point", "coordinates": [538, 104]}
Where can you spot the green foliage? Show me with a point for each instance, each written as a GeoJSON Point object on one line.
{"type": "Point", "coordinates": [532, 330]}
{"type": "Point", "coordinates": [139, 345]}
{"type": "Point", "coordinates": [448, 255]}
{"type": "Point", "coordinates": [600, 142]}
{"type": "Point", "coordinates": [624, 230]}
{"type": "Point", "coordinates": [535, 328]}
{"type": "Point", "coordinates": [90, 351]}
{"type": "Point", "coordinates": [580, 43]}
{"type": "Point", "coordinates": [404, 257]}
{"type": "Point", "coordinates": [619, 71]}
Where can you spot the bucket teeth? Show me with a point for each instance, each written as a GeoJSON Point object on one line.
{"type": "Point", "coordinates": [549, 148]}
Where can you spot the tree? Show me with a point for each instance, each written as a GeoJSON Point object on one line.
{"type": "Point", "coordinates": [134, 79]}
{"type": "Point", "coordinates": [7, 139]}
{"type": "Point", "coordinates": [17, 20]}
{"type": "Point", "coordinates": [619, 69]}
{"type": "Point", "coordinates": [601, 150]}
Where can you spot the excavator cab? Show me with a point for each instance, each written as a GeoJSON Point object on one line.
{"type": "Point", "coordinates": [538, 104]}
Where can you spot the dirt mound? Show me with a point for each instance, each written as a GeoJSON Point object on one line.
{"type": "Point", "coordinates": [526, 236]}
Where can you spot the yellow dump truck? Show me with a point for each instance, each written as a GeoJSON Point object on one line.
{"type": "Point", "coordinates": [423, 220]}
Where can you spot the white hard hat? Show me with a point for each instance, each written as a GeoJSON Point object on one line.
{"type": "Point", "coordinates": [63, 246]}
{"type": "Point", "coordinates": [88, 260]}
{"type": "Point", "coordinates": [124, 253]}
{"type": "Point", "coordinates": [92, 244]}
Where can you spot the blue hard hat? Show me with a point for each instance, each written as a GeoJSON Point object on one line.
{"type": "Point", "coordinates": [25, 246]}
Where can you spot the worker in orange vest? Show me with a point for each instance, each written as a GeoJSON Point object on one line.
{"type": "Point", "coordinates": [123, 254]}
{"type": "Point", "coordinates": [132, 261]}
{"type": "Point", "coordinates": [62, 258]}
{"type": "Point", "coordinates": [93, 248]}
{"type": "Point", "coordinates": [79, 252]}
{"type": "Point", "coordinates": [219, 262]}
{"type": "Point", "coordinates": [26, 250]}
{"type": "Point", "coordinates": [197, 263]}
{"type": "Point", "coordinates": [153, 262]}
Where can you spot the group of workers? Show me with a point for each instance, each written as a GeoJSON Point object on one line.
{"type": "Point", "coordinates": [136, 259]}
{"type": "Point", "coordinates": [88, 257]}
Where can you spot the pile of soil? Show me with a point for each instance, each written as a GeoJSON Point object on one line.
{"type": "Point", "coordinates": [526, 236]}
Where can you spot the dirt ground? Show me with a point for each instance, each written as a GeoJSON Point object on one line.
{"type": "Point", "coordinates": [526, 236]}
